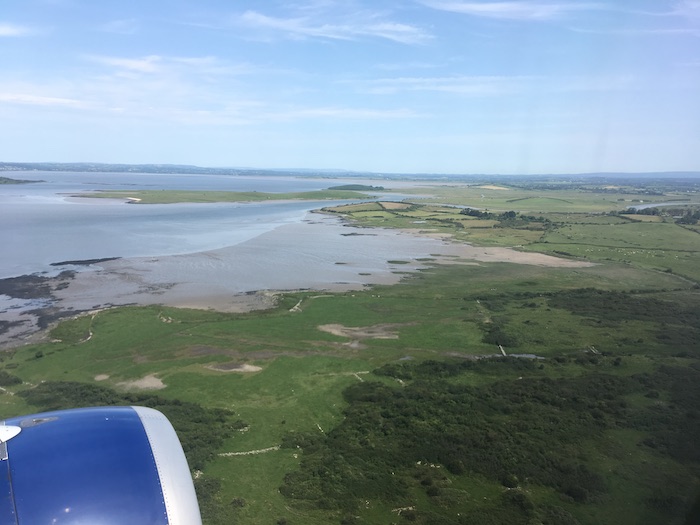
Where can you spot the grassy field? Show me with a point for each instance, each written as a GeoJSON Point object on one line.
{"type": "Point", "coordinates": [176, 196]}
{"type": "Point", "coordinates": [536, 200]}
{"type": "Point", "coordinates": [652, 242]}
{"type": "Point", "coordinates": [284, 371]}
{"type": "Point", "coordinates": [549, 199]}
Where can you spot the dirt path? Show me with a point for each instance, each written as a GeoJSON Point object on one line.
{"type": "Point", "coordinates": [250, 452]}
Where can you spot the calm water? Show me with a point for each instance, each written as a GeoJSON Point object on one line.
{"type": "Point", "coordinates": [195, 255]}
{"type": "Point", "coordinates": [42, 224]}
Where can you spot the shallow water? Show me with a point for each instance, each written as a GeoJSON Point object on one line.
{"type": "Point", "coordinates": [42, 224]}
{"type": "Point", "coordinates": [193, 255]}
{"type": "Point", "coordinates": [200, 255]}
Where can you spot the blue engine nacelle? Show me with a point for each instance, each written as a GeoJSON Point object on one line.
{"type": "Point", "coordinates": [94, 466]}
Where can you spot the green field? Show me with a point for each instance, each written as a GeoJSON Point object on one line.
{"type": "Point", "coordinates": [176, 196]}
{"type": "Point", "coordinates": [378, 406]}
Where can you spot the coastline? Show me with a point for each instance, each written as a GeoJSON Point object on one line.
{"type": "Point", "coordinates": [321, 253]}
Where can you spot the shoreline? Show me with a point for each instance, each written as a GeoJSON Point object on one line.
{"type": "Point", "coordinates": [322, 253]}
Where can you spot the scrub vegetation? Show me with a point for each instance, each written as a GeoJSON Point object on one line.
{"type": "Point", "coordinates": [396, 404]}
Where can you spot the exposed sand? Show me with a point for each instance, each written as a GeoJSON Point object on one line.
{"type": "Point", "coordinates": [235, 367]}
{"type": "Point", "coordinates": [377, 331]}
{"type": "Point", "coordinates": [318, 254]}
{"type": "Point", "coordinates": [492, 187]}
{"type": "Point", "coordinates": [360, 333]}
{"type": "Point", "coordinates": [453, 252]}
{"type": "Point", "coordinates": [150, 382]}
{"type": "Point", "coordinates": [101, 377]}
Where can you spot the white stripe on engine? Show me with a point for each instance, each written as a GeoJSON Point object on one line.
{"type": "Point", "coordinates": [175, 478]}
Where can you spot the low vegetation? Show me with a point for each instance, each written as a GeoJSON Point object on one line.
{"type": "Point", "coordinates": [407, 411]}
{"type": "Point", "coordinates": [176, 196]}
{"type": "Point", "coordinates": [526, 432]}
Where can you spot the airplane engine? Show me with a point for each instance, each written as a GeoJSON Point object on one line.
{"type": "Point", "coordinates": [94, 466]}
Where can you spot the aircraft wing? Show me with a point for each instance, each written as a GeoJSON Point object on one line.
{"type": "Point", "coordinates": [96, 466]}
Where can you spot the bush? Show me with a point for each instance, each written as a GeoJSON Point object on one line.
{"type": "Point", "coordinates": [7, 379]}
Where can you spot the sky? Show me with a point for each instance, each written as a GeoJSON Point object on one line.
{"type": "Point", "coordinates": [414, 86]}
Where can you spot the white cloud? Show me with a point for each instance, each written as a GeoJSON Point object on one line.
{"type": "Point", "coordinates": [464, 85]}
{"type": "Point", "coordinates": [339, 112]}
{"type": "Point", "coordinates": [398, 66]}
{"type": "Point", "coordinates": [121, 27]}
{"type": "Point", "coordinates": [13, 30]}
{"type": "Point", "coordinates": [673, 31]}
{"type": "Point", "coordinates": [688, 8]}
{"type": "Point", "coordinates": [147, 64]}
{"type": "Point", "coordinates": [494, 85]}
{"type": "Point", "coordinates": [39, 100]}
{"type": "Point", "coordinates": [512, 10]}
{"type": "Point", "coordinates": [349, 29]}
{"type": "Point", "coordinates": [155, 65]}
{"type": "Point", "coordinates": [248, 113]}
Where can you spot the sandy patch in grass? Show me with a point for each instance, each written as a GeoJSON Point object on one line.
{"type": "Point", "coordinates": [377, 331]}
{"type": "Point", "coordinates": [101, 377]}
{"type": "Point", "coordinates": [150, 382]}
{"type": "Point", "coordinates": [360, 333]}
{"type": "Point", "coordinates": [235, 367]}
{"type": "Point", "coordinates": [457, 252]}
{"type": "Point", "coordinates": [510, 255]}
{"type": "Point", "coordinates": [492, 187]}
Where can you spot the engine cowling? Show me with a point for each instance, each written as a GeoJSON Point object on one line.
{"type": "Point", "coordinates": [97, 466]}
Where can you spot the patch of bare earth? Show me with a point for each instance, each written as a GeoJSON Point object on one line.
{"type": "Point", "coordinates": [150, 382]}
{"type": "Point", "coordinates": [235, 367]}
{"type": "Point", "coordinates": [101, 377]}
{"type": "Point", "coordinates": [464, 253]}
{"type": "Point", "coordinates": [359, 333]}
{"type": "Point", "coordinates": [492, 187]}
{"type": "Point", "coordinates": [377, 331]}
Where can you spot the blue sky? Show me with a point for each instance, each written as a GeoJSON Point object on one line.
{"type": "Point", "coordinates": [436, 86]}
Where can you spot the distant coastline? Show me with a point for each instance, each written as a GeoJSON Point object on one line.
{"type": "Point", "coordinates": [175, 169]}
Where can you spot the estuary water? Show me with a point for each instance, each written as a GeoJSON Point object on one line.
{"type": "Point", "coordinates": [42, 224]}
{"type": "Point", "coordinates": [226, 256]}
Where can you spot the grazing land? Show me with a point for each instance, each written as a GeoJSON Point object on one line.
{"type": "Point", "coordinates": [175, 196]}
{"type": "Point", "coordinates": [395, 404]}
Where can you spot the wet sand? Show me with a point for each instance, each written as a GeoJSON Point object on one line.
{"type": "Point", "coordinates": [320, 253]}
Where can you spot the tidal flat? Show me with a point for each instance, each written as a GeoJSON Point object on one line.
{"type": "Point", "coordinates": [320, 253]}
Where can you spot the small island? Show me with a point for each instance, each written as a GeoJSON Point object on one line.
{"type": "Point", "coordinates": [182, 196]}
{"type": "Point", "coordinates": [7, 180]}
